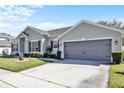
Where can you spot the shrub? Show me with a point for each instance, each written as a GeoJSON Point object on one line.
{"type": "Point", "coordinates": [33, 55]}
{"type": "Point", "coordinates": [49, 49]}
{"type": "Point", "coordinates": [38, 55]}
{"type": "Point", "coordinates": [17, 54]}
{"type": "Point", "coordinates": [45, 55]}
{"type": "Point", "coordinates": [117, 57]}
{"type": "Point", "coordinates": [53, 56]}
{"type": "Point", "coordinates": [59, 54]}
{"type": "Point", "coordinates": [26, 54]}
{"type": "Point", "coordinates": [8, 56]}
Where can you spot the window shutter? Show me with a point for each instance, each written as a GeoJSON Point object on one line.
{"type": "Point", "coordinates": [39, 46]}
{"type": "Point", "coordinates": [12, 47]}
{"type": "Point", "coordinates": [58, 45]}
{"type": "Point", "coordinates": [29, 46]}
{"type": "Point", "coordinates": [51, 44]}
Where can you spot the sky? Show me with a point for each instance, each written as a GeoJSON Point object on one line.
{"type": "Point", "coordinates": [15, 18]}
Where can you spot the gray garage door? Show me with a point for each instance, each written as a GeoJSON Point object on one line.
{"type": "Point", "coordinates": [89, 50]}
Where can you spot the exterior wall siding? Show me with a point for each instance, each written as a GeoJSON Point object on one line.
{"type": "Point", "coordinates": [33, 35]}
{"type": "Point", "coordinates": [85, 32]}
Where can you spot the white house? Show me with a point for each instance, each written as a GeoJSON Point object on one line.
{"type": "Point", "coordinates": [5, 43]}
{"type": "Point", "coordinates": [84, 40]}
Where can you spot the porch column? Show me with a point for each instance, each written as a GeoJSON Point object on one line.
{"type": "Point", "coordinates": [18, 42]}
{"type": "Point", "coordinates": [42, 46]}
{"type": "Point", "coordinates": [26, 45]}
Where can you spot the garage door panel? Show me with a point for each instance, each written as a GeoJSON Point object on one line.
{"type": "Point", "coordinates": [96, 50]}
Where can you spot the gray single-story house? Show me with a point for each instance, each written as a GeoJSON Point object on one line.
{"type": "Point", "coordinates": [5, 43]}
{"type": "Point", "coordinates": [84, 40]}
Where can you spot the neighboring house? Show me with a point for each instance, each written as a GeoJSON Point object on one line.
{"type": "Point", "coordinates": [5, 43]}
{"type": "Point", "coordinates": [85, 40]}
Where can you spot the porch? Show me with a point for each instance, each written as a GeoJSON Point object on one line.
{"type": "Point", "coordinates": [25, 45]}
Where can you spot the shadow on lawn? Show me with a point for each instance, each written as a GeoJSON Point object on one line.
{"type": "Point", "coordinates": [120, 72]}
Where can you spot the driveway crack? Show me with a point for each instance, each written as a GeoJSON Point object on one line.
{"type": "Point", "coordinates": [8, 84]}
{"type": "Point", "coordinates": [45, 80]}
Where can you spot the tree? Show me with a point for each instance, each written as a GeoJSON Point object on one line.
{"type": "Point", "coordinates": [114, 23]}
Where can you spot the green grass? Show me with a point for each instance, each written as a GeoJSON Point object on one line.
{"type": "Point", "coordinates": [116, 80]}
{"type": "Point", "coordinates": [14, 65]}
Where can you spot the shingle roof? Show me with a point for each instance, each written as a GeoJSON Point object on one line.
{"type": "Point", "coordinates": [91, 23]}
{"type": "Point", "coordinates": [5, 35]}
{"type": "Point", "coordinates": [59, 31]}
{"type": "Point", "coordinates": [39, 30]}
{"type": "Point", "coordinates": [54, 32]}
{"type": "Point", "coordinates": [50, 33]}
{"type": "Point", "coordinates": [34, 29]}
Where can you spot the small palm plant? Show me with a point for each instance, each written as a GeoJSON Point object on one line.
{"type": "Point", "coordinates": [49, 49]}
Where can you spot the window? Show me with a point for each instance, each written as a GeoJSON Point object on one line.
{"type": "Point", "coordinates": [35, 46]}
{"type": "Point", "coordinates": [15, 47]}
{"type": "Point", "coordinates": [55, 44]}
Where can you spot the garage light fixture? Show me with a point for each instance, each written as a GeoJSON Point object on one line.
{"type": "Point", "coordinates": [116, 42]}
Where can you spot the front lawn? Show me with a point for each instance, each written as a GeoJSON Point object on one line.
{"type": "Point", "coordinates": [13, 64]}
{"type": "Point", "coordinates": [116, 78]}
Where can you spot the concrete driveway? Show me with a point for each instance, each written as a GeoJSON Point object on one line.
{"type": "Point", "coordinates": [60, 74]}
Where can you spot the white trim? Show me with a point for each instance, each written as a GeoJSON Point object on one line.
{"type": "Point", "coordinates": [93, 39]}
{"type": "Point", "coordinates": [92, 23]}
{"type": "Point", "coordinates": [53, 36]}
{"type": "Point", "coordinates": [88, 39]}
{"type": "Point", "coordinates": [34, 40]}
{"type": "Point", "coordinates": [18, 42]}
{"type": "Point", "coordinates": [96, 24]}
{"type": "Point", "coordinates": [28, 27]}
{"type": "Point", "coordinates": [22, 32]}
{"type": "Point", "coordinates": [42, 45]}
{"type": "Point", "coordinates": [68, 31]}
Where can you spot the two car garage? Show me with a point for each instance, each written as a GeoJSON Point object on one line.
{"type": "Point", "coordinates": [99, 50]}
{"type": "Point", "coordinates": [90, 41]}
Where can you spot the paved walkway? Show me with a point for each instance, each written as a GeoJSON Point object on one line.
{"type": "Point", "coordinates": [64, 74]}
